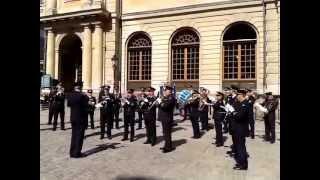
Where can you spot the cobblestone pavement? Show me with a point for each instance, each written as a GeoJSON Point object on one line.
{"type": "Point", "coordinates": [116, 160]}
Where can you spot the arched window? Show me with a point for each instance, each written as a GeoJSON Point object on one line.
{"type": "Point", "coordinates": [185, 58]}
{"type": "Point", "coordinates": [239, 53]}
{"type": "Point", "coordinates": [139, 61]}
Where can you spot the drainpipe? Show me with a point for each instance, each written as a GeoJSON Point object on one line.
{"type": "Point", "coordinates": [264, 48]}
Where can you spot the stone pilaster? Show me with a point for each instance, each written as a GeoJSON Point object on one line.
{"type": "Point", "coordinates": [50, 65]}
{"type": "Point", "coordinates": [97, 61]}
{"type": "Point", "coordinates": [87, 58]}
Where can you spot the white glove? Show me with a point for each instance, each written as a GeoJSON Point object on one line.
{"type": "Point", "coordinates": [261, 108]}
{"type": "Point", "coordinates": [229, 108]}
{"type": "Point", "coordinates": [98, 105]}
{"type": "Point", "coordinates": [158, 100]}
{"type": "Point", "coordinates": [127, 101]}
{"type": "Point", "coordinates": [145, 100]}
{"type": "Point", "coordinates": [223, 107]}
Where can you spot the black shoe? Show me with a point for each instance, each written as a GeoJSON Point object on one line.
{"type": "Point", "coordinates": [101, 137]}
{"type": "Point", "coordinates": [92, 127]}
{"type": "Point", "coordinates": [54, 129]}
{"type": "Point", "coordinates": [124, 139]}
{"type": "Point", "coordinates": [109, 137]}
{"type": "Point", "coordinates": [117, 127]}
{"type": "Point", "coordinates": [153, 144]}
{"type": "Point", "coordinates": [139, 128]}
{"type": "Point", "coordinates": [272, 142]}
{"type": "Point", "coordinates": [219, 145]}
{"type": "Point", "coordinates": [79, 156]}
{"type": "Point", "coordinates": [240, 167]}
{"type": "Point", "coordinates": [230, 152]}
{"type": "Point", "coordinates": [131, 140]}
{"type": "Point", "coordinates": [196, 137]}
{"type": "Point", "coordinates": [252, 137]}
{"type": "Point", "coordinates": [168, 150]}
{"type": "Point", "coordinates": [49, 123]}
{"type": "Point", "coordinates": [147, 142]}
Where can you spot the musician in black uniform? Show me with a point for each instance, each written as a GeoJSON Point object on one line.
{"type": "Point", "coordinates": [91, 107]}
{"type": "Point", "coordinates": [219, 114]}
{"type": "Point", "coordinates": [186, 106]}
{"type": "Point", "coordinates": [149, 115]}
{"type": "Point", "coordinates": [271, 104]}
{"type": "Point", "coordinates": [129, 109]}
{"type": "Point", "coordinates": [240, 128]}
{"type": "Point", "coordinates": [52, 94]}
{"type": "Point", "coordinates": [78, 102]}
{"type": "Point", "coordinates": [194, 113]}
{"type": "Point", "coordinates": [117, 106]}
{"type": "Point", "coordinates": [107, 103]}
{"type": "Point", "coordinates": [251, 100]}
{"type": "Point", "coordinates": [165, 115]}
{"type": "Point", "coordinates": [204, 109]}
{"type": "Point", "coordinates": [140, 113]}
{"type": "Point", "coordinates": [58, 108]}
{"type": "Point", "coordinates": [102, 121]}
{"type": "Point", "coordinates": [230, 99]}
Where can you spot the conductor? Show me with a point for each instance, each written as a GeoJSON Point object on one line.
{"type": "Point", "coordinates": [78, 102]}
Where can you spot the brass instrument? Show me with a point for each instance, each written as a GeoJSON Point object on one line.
{"type": "Point", "coordinates": [193, 98]}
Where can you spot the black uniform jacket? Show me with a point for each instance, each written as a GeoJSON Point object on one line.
{"type": "Point", "coordinates": [241, 118]}
{"type": "Point", "coordinates": [78, 103]}
{"type": "Point", "coordinates": [92, 107]}
{"type": "Point", "coordinates": [219, 113]}
{"type": "Point", "coordinates": [271, 106]}
{"type": "Point", "coordinates": [130, 108]}
{"type": "Point", "coordinates": [166, 108]}
{"type": "Point", "coordinates": [148, 111]}
{"type": "Point", "coordinates": [58, 103]}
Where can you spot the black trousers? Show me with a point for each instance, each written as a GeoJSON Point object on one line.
{"type": "Point", "coordinates": [129, 121]}
{"type": "Point", "coordinates": [219, 133]}
{"type": "Point", "coordinates": [226, 124]}
{"type": "Point", "coordinates": [186, 111]}
{"type": "Point", "coordinates": [116, 117]}
{"type": "Point", "coordinates": [51, 112]}
{"type": "Point", "coordinates": [151, 129]}
{"type": "Point", "coordinates": [91, 115]}
{"type": "Point", "coordinates": [251, 125]}
{"type": "Point", "coordinates": [204, 120]}
{"type": "Point", "coordinates": [166, 129]}
{"type": "Point", "coordinates": [140, 117]}
{"type": "Point", "coordinates": [102, 124]}
{"type": "Point", "coordinates": [76, 140]}
{"type": "Point", "coordinates": [109, 120]}
{"type": "Point", "coordinates": [55, 119]}
{"type": "Point", "coordinates": [270, 129]}
{"type": "Point", "coordinates": [241, 150]}
{"type": "Point", "coordinates": [195, 125]}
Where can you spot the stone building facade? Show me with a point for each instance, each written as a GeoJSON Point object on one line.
{"type": "Point", "coordinates": [138, 43]}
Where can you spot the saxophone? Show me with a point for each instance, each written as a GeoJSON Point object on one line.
{"type": "Point", "coordinates": [203, 103]}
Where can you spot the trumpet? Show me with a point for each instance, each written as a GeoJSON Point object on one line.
{"type": "Point", "coordinates": [155, 103]}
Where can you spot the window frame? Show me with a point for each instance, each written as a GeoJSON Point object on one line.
{"type": "Point", "coordinates": [239, 43]}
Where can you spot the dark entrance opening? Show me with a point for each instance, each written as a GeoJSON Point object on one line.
{"type": "Point", "coordinates": [70, 61]}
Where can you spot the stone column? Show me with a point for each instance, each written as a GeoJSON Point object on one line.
{"type": "Point", "coordinates": [56, 64]}
{"type": "Point", "coordinates": [97, 61]}
{"type": "Point", "coordinates": [51, 7]}
{"type": "Point", "coordinates": [87, 58]}
{"type": "Point", "coordinates": [50, 54]}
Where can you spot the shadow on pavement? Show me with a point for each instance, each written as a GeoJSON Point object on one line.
{"type": "Point", "coordinates": [92, 134]}
{"type": "Point", "coordinates": [179, 142]}
{"type": "Point", "coordinates": [100, 148]}
{"type": "Point", "coordinates": [136, 178]}
{"type": "Point", "coordinates": [140, 136]}
{"type": "Point", "coordinates": [161, 138]}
